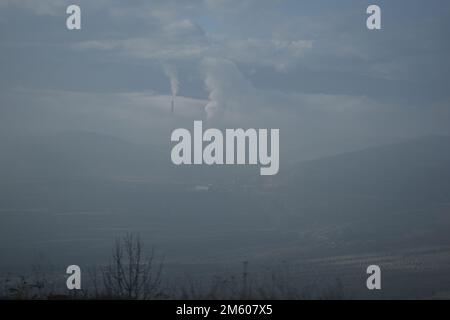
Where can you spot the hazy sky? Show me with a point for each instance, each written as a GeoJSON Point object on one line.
{"type": "Point", "coordinates": [310, 68]}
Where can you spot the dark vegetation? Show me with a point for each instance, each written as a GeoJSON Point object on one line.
{"type": "Point", "coordinates": [134, 273]}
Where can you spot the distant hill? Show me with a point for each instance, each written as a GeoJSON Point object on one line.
{"type": "Point", "coordinates": [73, 155]}
{"type": "Point", "coordinates": [378, 196]}
{"type": "Point", "coordinates": [419, 167]}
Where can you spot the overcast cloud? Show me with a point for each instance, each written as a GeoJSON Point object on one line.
{"type": "Point", "coordinates": [314, 71]}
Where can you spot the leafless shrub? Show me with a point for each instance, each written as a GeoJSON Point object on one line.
{"type": "Point", "coordinates": [130, 274]}
{"type": "Point", "coordinates": [38, 284]}
{"type": "Point", "coordinates": [277, 284]}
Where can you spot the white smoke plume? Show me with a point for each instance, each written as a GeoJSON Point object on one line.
{"type": "Point", "coordinates": [228, 90]}
{"type": "Point", "coordinates": [215, 99]}
{"type": "Point", "coordinates": [174, 83]}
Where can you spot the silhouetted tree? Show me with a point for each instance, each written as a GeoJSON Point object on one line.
{"type": "Point", "coordinates": [131, 274]}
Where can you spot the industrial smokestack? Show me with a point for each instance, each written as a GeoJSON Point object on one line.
{"type": "Point", "coordinates": [172, 107]}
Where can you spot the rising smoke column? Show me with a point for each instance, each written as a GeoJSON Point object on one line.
{"type": "Point", "coordinates": [228, 90]}
{"type": "Point", "coordinates": [174, 84]}
{"type": "Point", "coordinates": [215, 100]}
{"type": "Point", "coordinates": [215, 78]}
